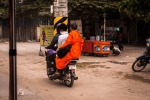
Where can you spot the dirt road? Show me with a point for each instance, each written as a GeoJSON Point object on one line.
{"type": "Point", "coordinates": [100, 78]}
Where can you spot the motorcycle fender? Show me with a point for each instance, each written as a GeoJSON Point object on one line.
{"type": "Point", "coordinates": [72, 69]}
{"type": "Point", "coordinates": [73, 72]}
{"type": "Point", "coordinates": [140, 57]}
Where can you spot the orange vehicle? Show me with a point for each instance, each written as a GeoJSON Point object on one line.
{"type": "Point", "coordinates": [101, 47]}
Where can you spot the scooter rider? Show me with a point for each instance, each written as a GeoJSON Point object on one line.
{"type": "Point", "coordinates": [75, 40]}
{"type": "Point", "coordinates": [148, 45]}
{"type": "Point", "coordinates": [61, 39]}
{"type": "Point", "coordinates": [54, 43]}
{"type": "Point", "coordinates": [50, 55]}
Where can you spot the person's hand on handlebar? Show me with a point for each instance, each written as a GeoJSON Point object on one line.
{"type": "Point", "coordinates": [57, 49]}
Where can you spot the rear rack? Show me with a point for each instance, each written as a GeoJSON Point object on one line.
{"type": "Point", "coordinates": [75, 59]}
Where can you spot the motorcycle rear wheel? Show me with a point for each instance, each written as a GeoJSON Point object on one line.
{"type": "Point", "coordinates": [139, 65]}
{"type": "Point", "coordinates": [70, 82]}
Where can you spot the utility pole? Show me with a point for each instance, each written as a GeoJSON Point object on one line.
{"type": "Point", "coordinates": [60, 13]}
{"type": "Point", "coordinates": [12, 52]}
{"type": "Point", "coordinates": [104, 15]}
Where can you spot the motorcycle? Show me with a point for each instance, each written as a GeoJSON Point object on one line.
{"type": "Point", "coordinates": [67, 75]}
{"type": "Point", "coordinates": [141, 61]}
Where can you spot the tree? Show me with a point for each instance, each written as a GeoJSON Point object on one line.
{"type": "Point", "coordinates": [4, 9]}
{"type": "Point", "coordinates": [27, 8]}
{"type": "Point", "coordinates": [34, 8]}
{"type": "Point", "coordinates": [40, 9]}
{"type": "Point", "coordinates": [95, 8]}
{"type": "Point", "coordinates": [139, 9]}
{"type": "Point", "coordinates": [76, 8]}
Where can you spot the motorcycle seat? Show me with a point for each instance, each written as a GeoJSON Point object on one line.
{"type": "Point", "coordinates": [76, 59]}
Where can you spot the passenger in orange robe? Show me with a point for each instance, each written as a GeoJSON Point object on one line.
{"type": "Point", "coordinates": [76, 40]}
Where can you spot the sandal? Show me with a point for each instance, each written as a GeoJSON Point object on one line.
{"type": "Point", "coordinates": [50, 73]}
{"type": "Point", "coordinates": [54, 76]}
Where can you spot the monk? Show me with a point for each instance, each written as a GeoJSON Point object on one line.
{"type": "Point", "coordinates": [74, 38]}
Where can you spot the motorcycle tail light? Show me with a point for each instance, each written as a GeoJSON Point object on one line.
{"type": "Point", "coordinates": [73, 70]}
{"type": "Point", "coordinates": [72, 63]}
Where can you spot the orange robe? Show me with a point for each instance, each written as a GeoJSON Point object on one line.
{"type": "Point", "coordinates": [76, 40]}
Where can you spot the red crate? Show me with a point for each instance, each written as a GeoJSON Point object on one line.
{"type": "Point", "coordinates": [87, 47]}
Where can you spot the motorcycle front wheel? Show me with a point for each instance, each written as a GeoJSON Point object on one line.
{"type": "Point", "coordinates": [69, 82]}
{"type": "Point", "coordinates": [139, 65]}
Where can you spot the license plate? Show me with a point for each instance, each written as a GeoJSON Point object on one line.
{"type": "Point", "coordinates": [72, 66]}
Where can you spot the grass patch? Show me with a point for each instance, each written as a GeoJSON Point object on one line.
{"type": "Point", "coordinates": [80, 65]}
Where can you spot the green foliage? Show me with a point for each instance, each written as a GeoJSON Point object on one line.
{"type": "Point", "coordinates": [94, 8]}
{"type": "Point", "coordinates": [27, 8]}
{"type": "Point", "coordinates": [3, 9]}
{"type": "Point", "coordinates": [76, 8]}
{"type": "Point", "coordinates": [136, 8]}
{"type": "Point", "coordinates": [34, 8]}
